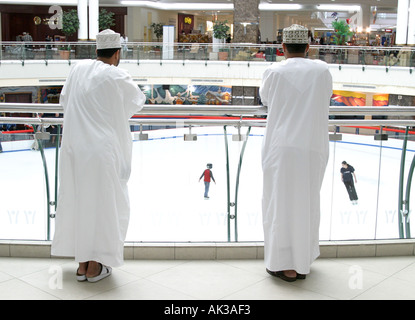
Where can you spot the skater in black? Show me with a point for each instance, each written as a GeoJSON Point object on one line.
{"type": "Point", "coordinates": [347, 175]}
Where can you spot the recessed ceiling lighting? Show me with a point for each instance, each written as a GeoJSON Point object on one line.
{"type": "Point", "coordinates": [335, 7]}
{"type": "Point", "coordinates": [179, 5]}
{"type": "Point", "coordinates": [279, 6]}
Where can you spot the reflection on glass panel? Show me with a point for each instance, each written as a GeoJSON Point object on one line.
{"type": "Point", "coordinates": [326, 195]}
{"type": "Point", "coordinates": [249, 212]}
{"type": "Point", "coordinates": [388, 218]}
{"type": "Point", "coordinates": [23, 210]}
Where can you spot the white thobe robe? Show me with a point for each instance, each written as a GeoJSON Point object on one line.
{"type": "Point", "coordinates": [95, 162]}
{"type": "Point", "coordinates": [295, 151]}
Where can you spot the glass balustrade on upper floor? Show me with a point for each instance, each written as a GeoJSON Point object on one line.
{"type": "Point", "coordinates": [364, 55]}
{"type": "Point", "coordinates": [167, 199]}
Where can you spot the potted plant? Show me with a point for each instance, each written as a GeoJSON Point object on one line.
{"type": "Point", "coordinates": [157, 29]}
{"type": "Point", "coordinates": [106, 19]}
{"type": "Point", "coordinates": [220, 33]}
{"type": "Point", "coordinates": [220, 30]}
{"type": "Point", "coordinates": [70, 25]}
{"type": "Point", "coordinates": [342, 32]}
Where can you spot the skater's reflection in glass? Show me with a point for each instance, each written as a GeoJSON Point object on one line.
{"type": "Point", "coordinates": [347, 174]}
{"type": "Point", "coordinates": [208, 175]}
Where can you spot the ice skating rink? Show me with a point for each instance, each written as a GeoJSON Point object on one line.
{"type": "Point", "coordinates": [167, 202]}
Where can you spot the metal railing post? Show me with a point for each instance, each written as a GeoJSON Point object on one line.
{"type": "Point", "coordinates": [401, 182]}
{"type": "Point", "coordinates": [237, 182]}
{"type": "Point", "coordinates": [228, 187]}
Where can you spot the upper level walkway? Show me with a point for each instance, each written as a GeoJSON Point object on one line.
{"type": "Point", "coordinates": [387, 70]}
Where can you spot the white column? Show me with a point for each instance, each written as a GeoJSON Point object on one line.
{"type": "Point", "coordinates": [411, 25]}
{"type": "Point", "coordinates": [366, 15]}
{"type": "Point", "coordinates": [267, 25]}
{"type": "Point", "coordinates": [402, 22]}
{"type": "Point", "coordinates": [93, 19]}
{"type": "Point", "coordinates": [168, 41]}
{"type": "Point", "coordinates": [83, 20]}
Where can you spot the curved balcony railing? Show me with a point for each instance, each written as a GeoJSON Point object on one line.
{"type": "Point", "coordinates": [362, 55]}
{"type": "Point", "coordinates": [166, 200]}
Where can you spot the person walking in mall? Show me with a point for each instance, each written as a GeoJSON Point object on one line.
{"type": "Point", "coordinates": [347, 174]}
{"type": "Point", "coordinates": [295, 151]}
{"type": "Point", "coordinates": [93, 209]}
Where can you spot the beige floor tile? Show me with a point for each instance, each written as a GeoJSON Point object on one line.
{"type": "Point", "coordinates": [16, 289]}
{"type": "Point", "coordinates": [406, 274]}
{"type": "Point", "coordinates": [390, 289]}
{"type": "Point", "coordinates": [142, 290]}
{"type": "Point", "coordinates": [206, 279]}
{"type": "Point", "coordinates": [19, 267]}
{"type": "Point", "coordinates": [275, 289]}
{"type": "Point", "coordinates": [70, 289]}
{"type": "Point", "coordinates": [384, 265]}
{"type": "Point", "coordinates": [145, 268]}
{"type": "Point", "coordinates": [340, 278]}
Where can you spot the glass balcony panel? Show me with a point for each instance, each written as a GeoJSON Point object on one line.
{"type": "Point", "coordinates": [249, 205]}
{"type": "Point", "coordinates": [166, 197]}
{"type": "Point", "coordinates": [395, 56]}
{"type": "Point", "coordinates": [326, 194]}
{"type": "Point", "coordinates": [127, 51]}
{"type": "Point", "coordinates": [167, 202]}
{"type": "Point", "coordinates": [23, 212]}
{"type": "Point", "coordinates": [388, 207]}
{"type": "Point", "coordinates": [355, 219]}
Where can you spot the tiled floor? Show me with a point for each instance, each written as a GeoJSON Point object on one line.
{"type": "Point", "coordinates": [340, 278]}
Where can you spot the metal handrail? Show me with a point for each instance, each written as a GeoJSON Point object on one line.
{"type": "Point", "coordinates": [162, 109]}
{"type": "Point", "coordinates": [181, 44]}
{"type": "Point", "coordinates": [207, 110]}
{"type": "Point", "coordinates": [147, 109]}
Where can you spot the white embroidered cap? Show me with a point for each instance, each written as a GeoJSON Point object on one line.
{"type": "Point", "coordinates": [108, 39]}
{"type": "Point", "coordinates": [295, 34]}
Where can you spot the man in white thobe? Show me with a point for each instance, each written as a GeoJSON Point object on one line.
{"type": "Point", "coordinates": [295, 151]}
{"type": "Point", "coordinates": [93, 205]}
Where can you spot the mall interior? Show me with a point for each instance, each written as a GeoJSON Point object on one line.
{"type": "Point", "coordinates": [200, 65]}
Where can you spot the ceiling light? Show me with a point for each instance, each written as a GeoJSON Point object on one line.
{"type": "Point", "coordinates": [335, 7]}
{"type": "Point", "coordinates": [279, 6]}
{"type": "Point", "coordinates": [179, 5]}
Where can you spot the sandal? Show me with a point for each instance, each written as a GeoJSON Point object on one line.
{"type": "Point", "coordinates": [281, 275]}
{"type": "Point", "coordinates": [105, 272]}
{"type": "Point", "coordinates": [80, 277]}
